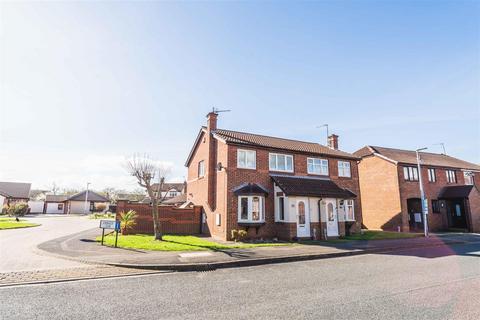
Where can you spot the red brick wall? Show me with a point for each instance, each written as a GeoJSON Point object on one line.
{"type": "Point", "coordinates": [173, 220]}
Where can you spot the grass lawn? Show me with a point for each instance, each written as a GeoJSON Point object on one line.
{"type": "Point", "coordinates": [381, 235]}
{"type": "Point", "coordinates": [10, 223]}
{"type": "Point", "coordinates": [176, 243]}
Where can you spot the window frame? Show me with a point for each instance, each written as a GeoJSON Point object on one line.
{"type": "Point", "coordinates": [435, 206]}
{"type": "Point", "coordinates": [432, 175]}
{"type": "Point", "coordinates": [281, 208]}
{"type": "Point", "coordinates": [60, 206]}
{"type": "Point", "coordinates": [250, 209]}
{"type": "Point", "coordinates": [246, 151]}
{"type": "Point", "coordinates": [451, 174]}
{"type": "Point", "coordinates": [346, 204]}
{"type": "Point", "coordinates": [411, 173]}
{"type": "Point", "coordinates": [321, 165]}
{"type": "Point", "coordinates": [470, 176]}
{"type": "Point", "coordinates": [276, 162]}
{"type": "Point", "coordinates": [201, 169]}
{"type": "Point", "coordinates": [344, 168]}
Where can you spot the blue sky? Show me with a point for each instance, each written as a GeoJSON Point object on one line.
{"type": "Point", "coordinates": [83, 85]}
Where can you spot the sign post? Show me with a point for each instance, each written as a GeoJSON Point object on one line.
{"type": "Point", "coordinates": [110, 224]}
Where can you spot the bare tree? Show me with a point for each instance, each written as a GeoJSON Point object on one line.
{"type": "Point", "coordinates": [146, 171]}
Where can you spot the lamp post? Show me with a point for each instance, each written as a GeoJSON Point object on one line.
{"type": "Point", "coordinates": [86, 199]}
{"type": "Point", "coordinates": [422, 193]}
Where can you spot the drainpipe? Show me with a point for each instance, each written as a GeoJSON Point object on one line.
{"type": "Point", "coordinates": [320, 219]}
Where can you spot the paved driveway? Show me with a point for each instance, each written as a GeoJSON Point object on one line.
{"type": "Point", "coordinates": [18, 247]}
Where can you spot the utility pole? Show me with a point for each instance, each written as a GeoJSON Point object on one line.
{"type": "Point", "coordinates": [422, 194]}
{"type": "Point", "coordinates": [86, 199]}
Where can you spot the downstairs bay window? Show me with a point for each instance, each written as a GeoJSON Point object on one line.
{"type": "Point", "coordinates": [251, 209]}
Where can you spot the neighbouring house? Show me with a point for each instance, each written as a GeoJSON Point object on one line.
{"type": "Point", "coordinates": [168, 191]}
{"type": "Point", "coordinates": [12, 192]}
{"type": "Point", "coordinates": [37, 200]}
{"type": "Point", "coordinates": [389, 183]}
{"type": "Point", "coordinates": [80, 203]}
{"type": "Point", "coordinates": [76, 203]}
{"type": "Point", "coordinates": [176, 201]}
{"type": "Point", "coordinates": [272, 187]}
{"type": "Point", "coordinates": [55, 203]}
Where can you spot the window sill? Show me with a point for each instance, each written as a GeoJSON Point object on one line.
{"type": "Point", "coordinates": [250, 223]}
{"type": "Point", "coordinates": [345, 178]}
{"type": "Point", "coordinates": [318, 174]}
{"type": "Point", "coordinates": [242, 168]}
{"type": "Point", "coordinates": [281, 171]}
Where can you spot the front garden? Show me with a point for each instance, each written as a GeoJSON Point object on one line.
{"type": "Point", "coordinates": [179, 243]}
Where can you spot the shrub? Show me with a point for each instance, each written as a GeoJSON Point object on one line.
{"type": "Point", "coordinates": [239, 235]}
{"type": "Point", "coordinates": [18, 209]}
{"type": "Point", "coordinates": [127, 220]}
{"type": "Point", "coordinates": [4, 209]}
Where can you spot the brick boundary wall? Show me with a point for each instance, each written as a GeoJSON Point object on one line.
{"type": "Point", "coordinates": [173, 220]}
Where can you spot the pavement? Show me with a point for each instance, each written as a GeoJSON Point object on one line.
{"type": "Point", "coordinates": [82, 247]}
{"type": "Point", "coordinates": [440, 282]}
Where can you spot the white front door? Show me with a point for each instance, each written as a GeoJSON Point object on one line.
{"type": "Point", "coordinates": [332, 218]}
{"type": "Point", "coordinates": [303, 218]}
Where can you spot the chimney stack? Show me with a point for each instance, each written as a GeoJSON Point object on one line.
{"type": "Point", "coordinates": [333, 141]}
{"type": "Point", "coordinates": [212, 121]}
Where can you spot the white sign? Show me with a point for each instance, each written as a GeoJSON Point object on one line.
{"type": "Point", "coordinates": [418, 217]}
{"type": "Point", "coordinates": [108, 224]}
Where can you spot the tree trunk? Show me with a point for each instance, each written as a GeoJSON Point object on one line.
{"type": "Point", "coordinates": [157, 230]}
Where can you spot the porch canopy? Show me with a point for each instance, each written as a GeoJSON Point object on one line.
{"type": "Point", "coordinates": [451, 192]}
{"type": "Point", "coordinates": [250, 189]}
{"type": "Point", "coordinates": [311, 187]}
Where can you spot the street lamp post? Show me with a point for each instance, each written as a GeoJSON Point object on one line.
{"type": "Point", "coordinates": [422, 193]}
{"type": "Point", "coordinates": [86, 199]}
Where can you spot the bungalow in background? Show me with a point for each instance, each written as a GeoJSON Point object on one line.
{"type": "Point", "coordinates": [80, 203]}
{"type": "Point", "coordinates": [389, 183]}
{"type": "Point", "coordinates": [12, 192]}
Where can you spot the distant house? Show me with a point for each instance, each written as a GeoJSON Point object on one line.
{"type": "Point", "coordinates": [82, 203]}
{"type": "Point", "coordinates": [11, 192]}
{"type": "Point", "coordinates": [176, 201]}
{"type": "Point", "coordinates": [37, 200]}
{"type": "Point", "coordinates": [55, 203]}
{"type": "Point", "coordinates": [76, 203]}
{"type": "Point", "coordinates": [170, 190]}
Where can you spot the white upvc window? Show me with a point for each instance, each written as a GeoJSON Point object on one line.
{"type": "Point", "coordinates": [469, 177]}
{"type": "Point", "coordinates": [432, 176]}
{"type": "Point", "coordinates": [410, 173]}
{"type": "Point", "coordinates": [173, 193]}
{"type": "Point", "coordinates": [251, 209]}
{"type": "Point", "coordinates": [201, 169]}
{"type": "Point", "coordinates": [317, 166]}
{"type": "Point", "coordinates": [344, 169]}
{"type": "Point", "coordinates": [281, 162]}
{"type": "Point", "coordinates": [246, 159]}
{"type": "Point", "coordinates": [451, 176]}
{"type": "Point", "coordinates": [349, 210]}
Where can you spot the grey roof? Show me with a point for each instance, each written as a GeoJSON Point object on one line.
{"type": "Point", "coordinates": [176, 200]}
{"type": "Point", "coordinates": [92, 196]}
{"type": "Point", "coordinates": [15, 189]}
{"type": "Point", "coordinates": [56, 197]}
{"type": "Point", "coordinates": [410, 157]}
{"type": "Point", "coordinates": [167, 186]}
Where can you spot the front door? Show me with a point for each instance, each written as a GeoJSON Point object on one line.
{"type": "Point", "coordinates": [303, 219]}
{"type": "Point", "coordinates": [332, 218]}
{"type": "Point", "coordinates": [456, 211]}
{"type": "Point", "coordinates": [415, 215]}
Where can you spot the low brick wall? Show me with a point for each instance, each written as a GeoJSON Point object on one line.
{"type": "Point", "coordinates": [173, 220]}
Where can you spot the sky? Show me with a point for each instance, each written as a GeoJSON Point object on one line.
{"type": "Point", "coordinates": [84, 85]}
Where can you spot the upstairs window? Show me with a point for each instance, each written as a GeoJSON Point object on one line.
{"type": "Point", "coordinates": [246, 159]}
{"type": "Point", "coordinates": [344, 169]}
{"type": "Point", "coordinates": [172, 193]}
{"type": "Point", "coordinates": [432, 177]}
{"type": "Point", "coordinates": [451, 176]}
{"type": "Point", "coordinates": [469, 177]}
{"type": "Point", "coordinates": [317, 166]}
{"type": "Point", "coordinates": [281, 162]}
{"type": "Point", "coordinates": [251, 209]}
{"type": "Point", "coordinates": [201, 169]}
{"type": "Point", "coordinates": [410, 173]}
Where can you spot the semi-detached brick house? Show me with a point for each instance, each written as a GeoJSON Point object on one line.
{"type": "Point", "coordinates": [389, 183]}
{"type": "Point", "coordinates": [272, 187]}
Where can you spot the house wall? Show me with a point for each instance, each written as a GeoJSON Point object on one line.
{"type": "Point", "coordinates": [411, 189]}
{"type": "Point", "coordinates": [36, 206]}
{"type": "Point", "coordinates": [52, 207]}
{"type": "Point", "coordinates": [261, 175]}
{"type": "Point", "coordinates": [380, 199]}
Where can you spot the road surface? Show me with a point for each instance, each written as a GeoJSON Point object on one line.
{"type": "Point", "coordinates": [18, 247]}
{"type": "Point", "coordinates": [427, 283]}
